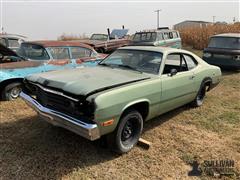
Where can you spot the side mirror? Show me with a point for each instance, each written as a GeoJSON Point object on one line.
{"type": "Point", "coordinates": [173, 72]}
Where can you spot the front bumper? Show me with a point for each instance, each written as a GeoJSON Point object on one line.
{"type": "Point", "coordinates": [88, 131]}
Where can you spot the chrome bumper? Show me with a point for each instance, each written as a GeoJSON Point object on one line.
{"type": "Point", "coordinates": [88, 131]}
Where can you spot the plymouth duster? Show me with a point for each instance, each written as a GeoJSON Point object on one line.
{"type": "Point", "coordinates": [132, 85]}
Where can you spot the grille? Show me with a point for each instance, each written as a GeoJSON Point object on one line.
{"type": "Point", "coordinates": [222, 56]}
{"type": "Point", "coordinates": [56, 102]}
{"type": "Point", "coordinates": [62, 104]}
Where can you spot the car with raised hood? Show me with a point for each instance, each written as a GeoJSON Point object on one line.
{"type": "Point", "coordinates": [132, 85]}
{"type": "Point", "coordinates": [105, 43]}
{"type": "Point", "coordinates": [12, 41]}
{"type": "Point", "coordinates": [164, 37]}
{"type": "Point", "coordinates": [41, 56]}
{"type": "Point", "coordinates": [224, 51]}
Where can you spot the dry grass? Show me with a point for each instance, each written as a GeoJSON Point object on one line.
{"type": "Point", "coordinates": [33, 149]}
{"type": "Point", "coordinates": [198, 37]}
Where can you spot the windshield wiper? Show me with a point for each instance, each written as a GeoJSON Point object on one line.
{"type": "Point", "coordinates": [129, 67]}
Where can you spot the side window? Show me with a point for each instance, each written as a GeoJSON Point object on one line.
{"type": "Point", "coordinates": [166, 36]}
{"type": "Point", "coordinates": [174, 61]}
{"type": "Point", "coordinates": [3, 42]}
{"type": "Point", "coordinates": [78, 52]}
{"type": "Point", "coordinates": [59, 53]}
{"type": "Point", "coordinates": [191, 62]}
{"type": "Point", "coordinates": [160, 36]}
{"type": "Point", "coordinates": [13, 43]}
{"type": "Point", "coordinates": [175, 35]}
{"type": "Point", "coordinates": [170, 35]}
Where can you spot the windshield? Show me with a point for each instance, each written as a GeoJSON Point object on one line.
{"type": "Point", "coordinates": [145, 36]}
{"type": "Point", "coordinates": [33, 52]}
{"type": "Point", "coordinates": [101, 37]}
{"type": "Point", "coordinates": [225, 42]}
{"type": "Point", "coordinates": [138, 60]}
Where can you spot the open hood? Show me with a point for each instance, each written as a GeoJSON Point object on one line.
{"type": "Point", "coordinates": [6, 51]}
{"type": "Point", "coordinates": [88, 80]}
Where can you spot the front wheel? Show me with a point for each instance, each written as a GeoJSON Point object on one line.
{"type": "Point", "coordinates": [127, 133]}
{"type": "Point", "coordinates": [11, 91]}
{"type": "Point", "coordinates": [198, 101]}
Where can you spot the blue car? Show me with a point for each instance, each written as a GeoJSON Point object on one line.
{"type": "Point", "coordinates": [41, 56]}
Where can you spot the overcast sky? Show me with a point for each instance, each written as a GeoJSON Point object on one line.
{"type": "Point", "coordinates": [48, 20]}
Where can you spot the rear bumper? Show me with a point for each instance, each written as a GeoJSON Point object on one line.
{"type": "Point", "coordinates": [88, 131]}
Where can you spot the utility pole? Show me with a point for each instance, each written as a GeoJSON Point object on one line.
{"type": "Point", "coordinates": [158, 12]}
{"type": "Point", "coordinates": [214, 19]}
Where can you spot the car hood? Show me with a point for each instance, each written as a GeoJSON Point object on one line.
{"type": "Point", "coordinates": [6, 51]}
{"type": "Point", "coordinates": [88, 80]}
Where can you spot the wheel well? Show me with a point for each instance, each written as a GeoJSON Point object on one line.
{"type": "Point", "coordinates": [207, 82]}
{"type": "Point", "coordinates": [9, 81]}
{"type": "Point", "coordinates": [141, 107]}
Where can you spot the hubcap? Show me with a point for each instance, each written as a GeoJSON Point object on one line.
{"type": "Point", "coordinates": [15, 92]}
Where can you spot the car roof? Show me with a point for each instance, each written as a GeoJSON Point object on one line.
{"type": "Point", "coordinates": [156, 30]}
{"type": "Point", "coordinates": [15, 36]}
{"type": "Point", "coordinates": [155, 49]}
{"type": "Point", "coordinates": [227, 35]}
{"type": "Point", "coordinates": [53, 43]}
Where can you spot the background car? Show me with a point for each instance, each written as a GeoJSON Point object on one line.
{"type": "Point", "coordinates": [160, 37]}
{"type": "Point", "coordinates": [42, 56]}
{"type": "Point", "coordinates": [130, 86]}
{"type": "Point", "coordinates": [12, 41]}
{"type": "Point", "coordinates": [223, 50]}
{"type": "Point", "coordinates": [56, 50]}
{"type": "Point", "coordinates": [105, 43]}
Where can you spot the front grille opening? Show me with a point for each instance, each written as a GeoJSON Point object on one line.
{"type": "Point", "coordinates": [56, 102]}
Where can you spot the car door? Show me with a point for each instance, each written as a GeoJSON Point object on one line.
{"type": "Point", "coordinates": [177, 88]}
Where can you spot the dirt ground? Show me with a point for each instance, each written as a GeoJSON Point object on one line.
{"type": "Point", "coordinates": [33, 149]}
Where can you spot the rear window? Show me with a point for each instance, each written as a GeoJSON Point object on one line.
{"type": "Point", "coordinates": [145, 36]}
{"type": "Point", "coordinates": [225, 42]}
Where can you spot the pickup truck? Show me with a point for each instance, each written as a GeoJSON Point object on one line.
{"type": "Point", "coordinates": [105, 43]}
{"type": "Point", "coordinates": [40, 56]}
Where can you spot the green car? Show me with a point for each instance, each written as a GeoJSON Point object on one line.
{"type": "Point", "coordinates": [130, 86]}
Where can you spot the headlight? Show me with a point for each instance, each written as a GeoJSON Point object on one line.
{"type": "Point", "coordinates": [206, 54]}
{"type": "Point", "coordinates": [237, 57]}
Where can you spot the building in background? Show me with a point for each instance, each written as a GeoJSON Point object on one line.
{"type": "Point", "coordinates": [190, 24]}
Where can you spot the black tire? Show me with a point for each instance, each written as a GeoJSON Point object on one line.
{"type": "Point", "coordinates": [127, 133]}
{"type": "Point", "coordinates": [198, 101]}
{"type": "Point", "coordinates": [11, 91]}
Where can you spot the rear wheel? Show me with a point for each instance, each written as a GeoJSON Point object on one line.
{"type": "Point", "coordinates": [127, 133]}
{"type": "Point", "coordinates": [11, 91]}
{"type": "Point", "coordinates": [198, 101]}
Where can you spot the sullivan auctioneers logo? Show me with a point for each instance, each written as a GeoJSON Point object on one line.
{"type": "Point", "coordinates": [213, 168]}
